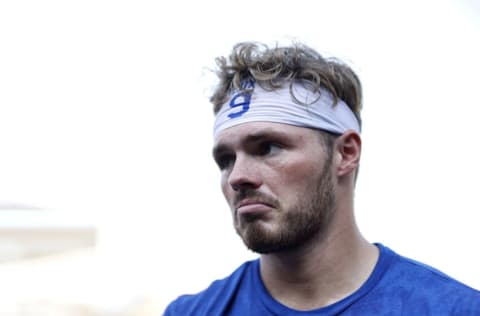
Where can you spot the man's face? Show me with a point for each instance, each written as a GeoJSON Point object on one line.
{"type": "Point", "coordinates": [277, 180]}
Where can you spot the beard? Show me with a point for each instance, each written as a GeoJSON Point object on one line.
{"type": "Point", "coordinates": [307, 219]}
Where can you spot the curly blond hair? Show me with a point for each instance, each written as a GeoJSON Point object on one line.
{"type": "Point", "coordinates": [271, 67]}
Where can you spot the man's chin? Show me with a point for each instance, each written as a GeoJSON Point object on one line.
{"type": "Point", "coordinates": [260, 247]}
{"type": "Point", "coordinates": [258, 239]}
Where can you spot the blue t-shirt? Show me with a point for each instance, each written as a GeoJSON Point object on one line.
{"type": "Point", "coordinates": [397, 286]}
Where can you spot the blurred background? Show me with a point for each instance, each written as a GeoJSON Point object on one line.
{"type": "Point", "coordinates": [109, 199]}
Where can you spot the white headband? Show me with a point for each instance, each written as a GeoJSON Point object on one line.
{"type": "Point", "coordinates": [279, 106]}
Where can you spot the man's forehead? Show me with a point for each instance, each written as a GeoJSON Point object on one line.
{"type": "Point", "coordinates": [250, 128]}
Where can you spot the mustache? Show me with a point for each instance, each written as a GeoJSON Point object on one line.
{"type": "Point", "coordinates": [256, 196]}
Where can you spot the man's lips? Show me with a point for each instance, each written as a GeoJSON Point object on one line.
{"type": "Point", "coordinates": [252, 207]}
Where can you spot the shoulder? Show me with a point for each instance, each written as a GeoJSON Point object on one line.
{"type": "Point", "coordinates": [213, 298]}
{"type": "Point", "coordinates": [416, 272]}
{"type": "Point", "coordinates": [415, 283]}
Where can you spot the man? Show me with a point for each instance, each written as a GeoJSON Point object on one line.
{"type": "Point", "coordinates": [287, 142]}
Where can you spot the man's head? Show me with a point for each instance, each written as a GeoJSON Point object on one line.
{"type": "Point", "coordinates": [270, 67]}
{"type": "Point", "coordinates": [286, 134]}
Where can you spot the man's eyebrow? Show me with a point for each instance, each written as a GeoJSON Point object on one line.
{"type": "Point", "coordinates": [265, 134]}
{"type": "Point", "coordinates": [251, 138]}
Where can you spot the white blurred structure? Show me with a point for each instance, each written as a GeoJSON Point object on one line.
{"type": "Point", "coordinates": [31, 233]}
{"type": "Point", "coordinates": [49, 266]}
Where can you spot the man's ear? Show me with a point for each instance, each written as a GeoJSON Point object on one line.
{"type": "Point", "coordinates": [348, 149]}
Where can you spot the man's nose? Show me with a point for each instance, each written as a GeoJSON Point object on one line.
{"type": "Point", "coordinates": [244, 174]}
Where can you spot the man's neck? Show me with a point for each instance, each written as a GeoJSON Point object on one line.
{"type": "Point", "coordinates": [322, 272]}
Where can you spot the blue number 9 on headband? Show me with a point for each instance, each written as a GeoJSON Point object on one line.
{"type": "Point", "coordinates": [244, 102]}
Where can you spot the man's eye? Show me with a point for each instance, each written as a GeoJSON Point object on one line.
{"type": "Point", "coordinates": [268, 148]}
{"type": "Point", "coordinates": [224, 161]}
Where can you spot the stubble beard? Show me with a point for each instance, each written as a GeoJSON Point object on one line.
{"type": "Point", "coordinates": [308, 219]}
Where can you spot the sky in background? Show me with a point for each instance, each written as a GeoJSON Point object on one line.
{"type": "Point", "coordinates": [104, 115]}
